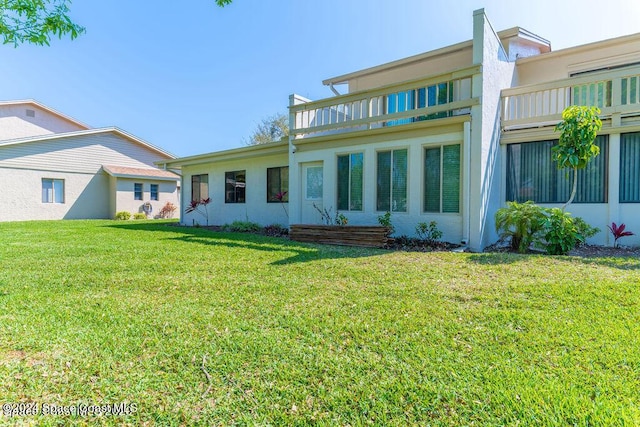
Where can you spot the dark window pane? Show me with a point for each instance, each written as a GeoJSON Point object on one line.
{"type": "Point", "coordinates": [451, 178]}
{"type": "Point", "coordinates": [383, 185]}
{"type": "Point", "coordinates": [432, 180]}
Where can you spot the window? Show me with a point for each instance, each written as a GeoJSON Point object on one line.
{"type": "Point", "coordinates": [235, 183]}
{"type": "Point", "coordinates": [350, 182]}
{"type": "Point", "coordinates": [278, 183]}
{"type": "Point", "coordinates": [313, 187]}
{"type": "Point", "coordinates": [533, 175]}
{"type": "Point", "coordinates": [630, 168]}
{"type": "Point", "coordinates": [154, 191]}
{"type": "Point", "coordinates": [52, 190]}
{"type": "Point", "coordinates": [442, 179]}
{"type": "Point", "coordinates": [137, 191]}
{"type": "Point", "coordinates": [199, 187]}
{"type": "Point", "coordinates": [392, 181]}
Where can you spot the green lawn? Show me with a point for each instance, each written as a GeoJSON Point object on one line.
{"type": "Point", "coordinates": [101, 312]}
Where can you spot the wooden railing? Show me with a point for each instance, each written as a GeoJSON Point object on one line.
{"type": "Point", "coordinates": [436, 97]}
{"type": "Point", "coordinates": [616, 91]}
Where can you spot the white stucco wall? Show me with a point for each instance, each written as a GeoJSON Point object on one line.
{"type": "Point", "coordinates": [255, 209]}
{"type": "Point", "coordinates": [14, 122]}
{"type": "Point", "coordinates": [86, 195]}
{"type": "Point", "coordinates": [451, 224]}
{"type": "Point", "coordinates": [124, 196]}
{"type": "Point", "coordinates": [497, 73]}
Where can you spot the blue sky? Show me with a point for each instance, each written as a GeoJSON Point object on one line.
{"type": "Point", "coordinates": [192, 78]}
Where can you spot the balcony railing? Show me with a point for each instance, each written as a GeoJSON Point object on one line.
{"type": "Point", "coordinates": [616, 91]}
{"type": "Point", "coordinates": [436, 97]}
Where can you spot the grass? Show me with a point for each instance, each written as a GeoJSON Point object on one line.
{"type": "Point", "coordinates": [101, 312]}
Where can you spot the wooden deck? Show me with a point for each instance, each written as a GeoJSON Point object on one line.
{"type": "Point", "coordinates": [347, 235]}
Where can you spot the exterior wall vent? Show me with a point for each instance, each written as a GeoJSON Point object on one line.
{"type": "Point", "coordinates": [31, 113]}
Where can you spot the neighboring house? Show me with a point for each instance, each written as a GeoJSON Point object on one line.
{"type": "Point", "coordinates": [54, 167]}
{"type": "Point", "coordinates": [450, 136]}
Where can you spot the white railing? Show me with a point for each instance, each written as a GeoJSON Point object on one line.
{"type": "Point", "coordinates": [615, 91]}
{"type": "Point", "coordinates": [408, 102]}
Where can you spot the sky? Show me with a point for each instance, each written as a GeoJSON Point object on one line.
{"type": "Point", "coordinates": [192, 78]}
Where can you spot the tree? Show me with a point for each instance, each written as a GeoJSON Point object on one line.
{"type": "Point", "coordinates": [36, 21]}
{"type": "Point", "coordinates": [271, 129]}
{"type": "Point", "coordinates": [579, 128]}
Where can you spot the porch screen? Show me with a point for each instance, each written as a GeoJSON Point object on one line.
{"type": "Point", "coordinates": [533, 175]}
{"type": "Point", "coordinates": [630, 168]}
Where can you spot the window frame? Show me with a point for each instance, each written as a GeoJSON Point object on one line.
{"type": "Point", "coordinates": [51, 197]}
{"type": "Point", "coordinates": [198, 183]}
{"type": "Point", "coordinates": [555, 182]}
{"type": "Point", "coordinates": [283, 171]}
{"type": "Point", "coordinates": [624, 166]}
{"type": "Point", "coordinates": [391, 180]}
{"type": "Point", "coordinates": [441, 178]}
{"type": "Point", "coordinates": [350, 182]}
{"type": "Point", "coordinates": [234, 175]}
{"type": "Point", "coordinates": [138, 194]}
{"type": "Point", "coordinates": [152, 192]}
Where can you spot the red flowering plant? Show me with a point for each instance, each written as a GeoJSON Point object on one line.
{"type": "Point", "coordinates": [282, 198]}
{"type": "Point", "coordinates": [618, 231]}
{"type": "Point", "coordinates": [194, 206]}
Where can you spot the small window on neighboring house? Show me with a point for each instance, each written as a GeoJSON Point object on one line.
{"type": "Point", "coordinates": [52, 190]}
{"type": "Point", "coordinates": [31, 113]}
{"type": "Point", "coordinates": [235, 185]}
{"type": "Point", "coordinates": [278, 184]}
{"type": "Point", "coordinates": [137, 191]}
{"type": "Point", "coordinates": [199, 187]}
{"type": "Point", "coordinates": [350, 182]}
{"type": "Point", "coordinates": [154, 191]}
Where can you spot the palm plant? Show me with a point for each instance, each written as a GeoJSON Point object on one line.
{"type": "Point", "coordinates": [521, 222]}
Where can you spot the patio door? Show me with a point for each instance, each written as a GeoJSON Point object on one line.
{"type": "Point", "coordinates": [312, 188]}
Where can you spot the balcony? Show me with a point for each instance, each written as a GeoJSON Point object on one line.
{"type": "Point", "coordinates": [437, 97]}
{"type": "Point", "coordinates": [615, 92]}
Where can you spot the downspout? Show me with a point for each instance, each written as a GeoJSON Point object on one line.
{"type": "Point", "coordinates": [334, 90]}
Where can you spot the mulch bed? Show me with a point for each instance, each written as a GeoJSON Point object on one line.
{"type": "Point", "coordinates": [586, 251]}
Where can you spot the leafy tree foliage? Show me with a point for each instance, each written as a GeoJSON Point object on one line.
{"type": "Point", "coordinates": [578, 130]}
{"type": "Point", "coordinates": [36, 21]}
{"type": "Point", "coordinates": [271, 129]}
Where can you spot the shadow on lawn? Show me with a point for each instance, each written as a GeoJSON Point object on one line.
{"type": "Point", "coordinates": [303, 252]}
{"type": "Point", "coordinates": [496, 258]}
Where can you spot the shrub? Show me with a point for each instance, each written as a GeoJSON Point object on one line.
{"type": "Point", "coordinates": [560, 232]}
{"type": "Point", "coordinates": [618, 232]}
{"type": "Point", "coordinates": [428, 232]}
{"type": "Point", "coordinates": [563, 233]}
{"type": "Point", "coordinates": [521, 222]}
{"type": "Point", "coordinates": [328, 219]}
{"type": "Point", "coordinates": [194, 206]}
{"type": "Point", "coordinates": [123, 216]}
{"type": "Point", "coordinates": [275, 230]}
{"type": "Point", "coordinates": [584, 229]}
{"type": "Point", "coordinates": [167, 210]}
{"type": "Point", "coordinates": [385, 221]}
{"type": "Point", "coordinates": [242, 227]}
{"type": "Point", "coordinates": [139, 215]}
